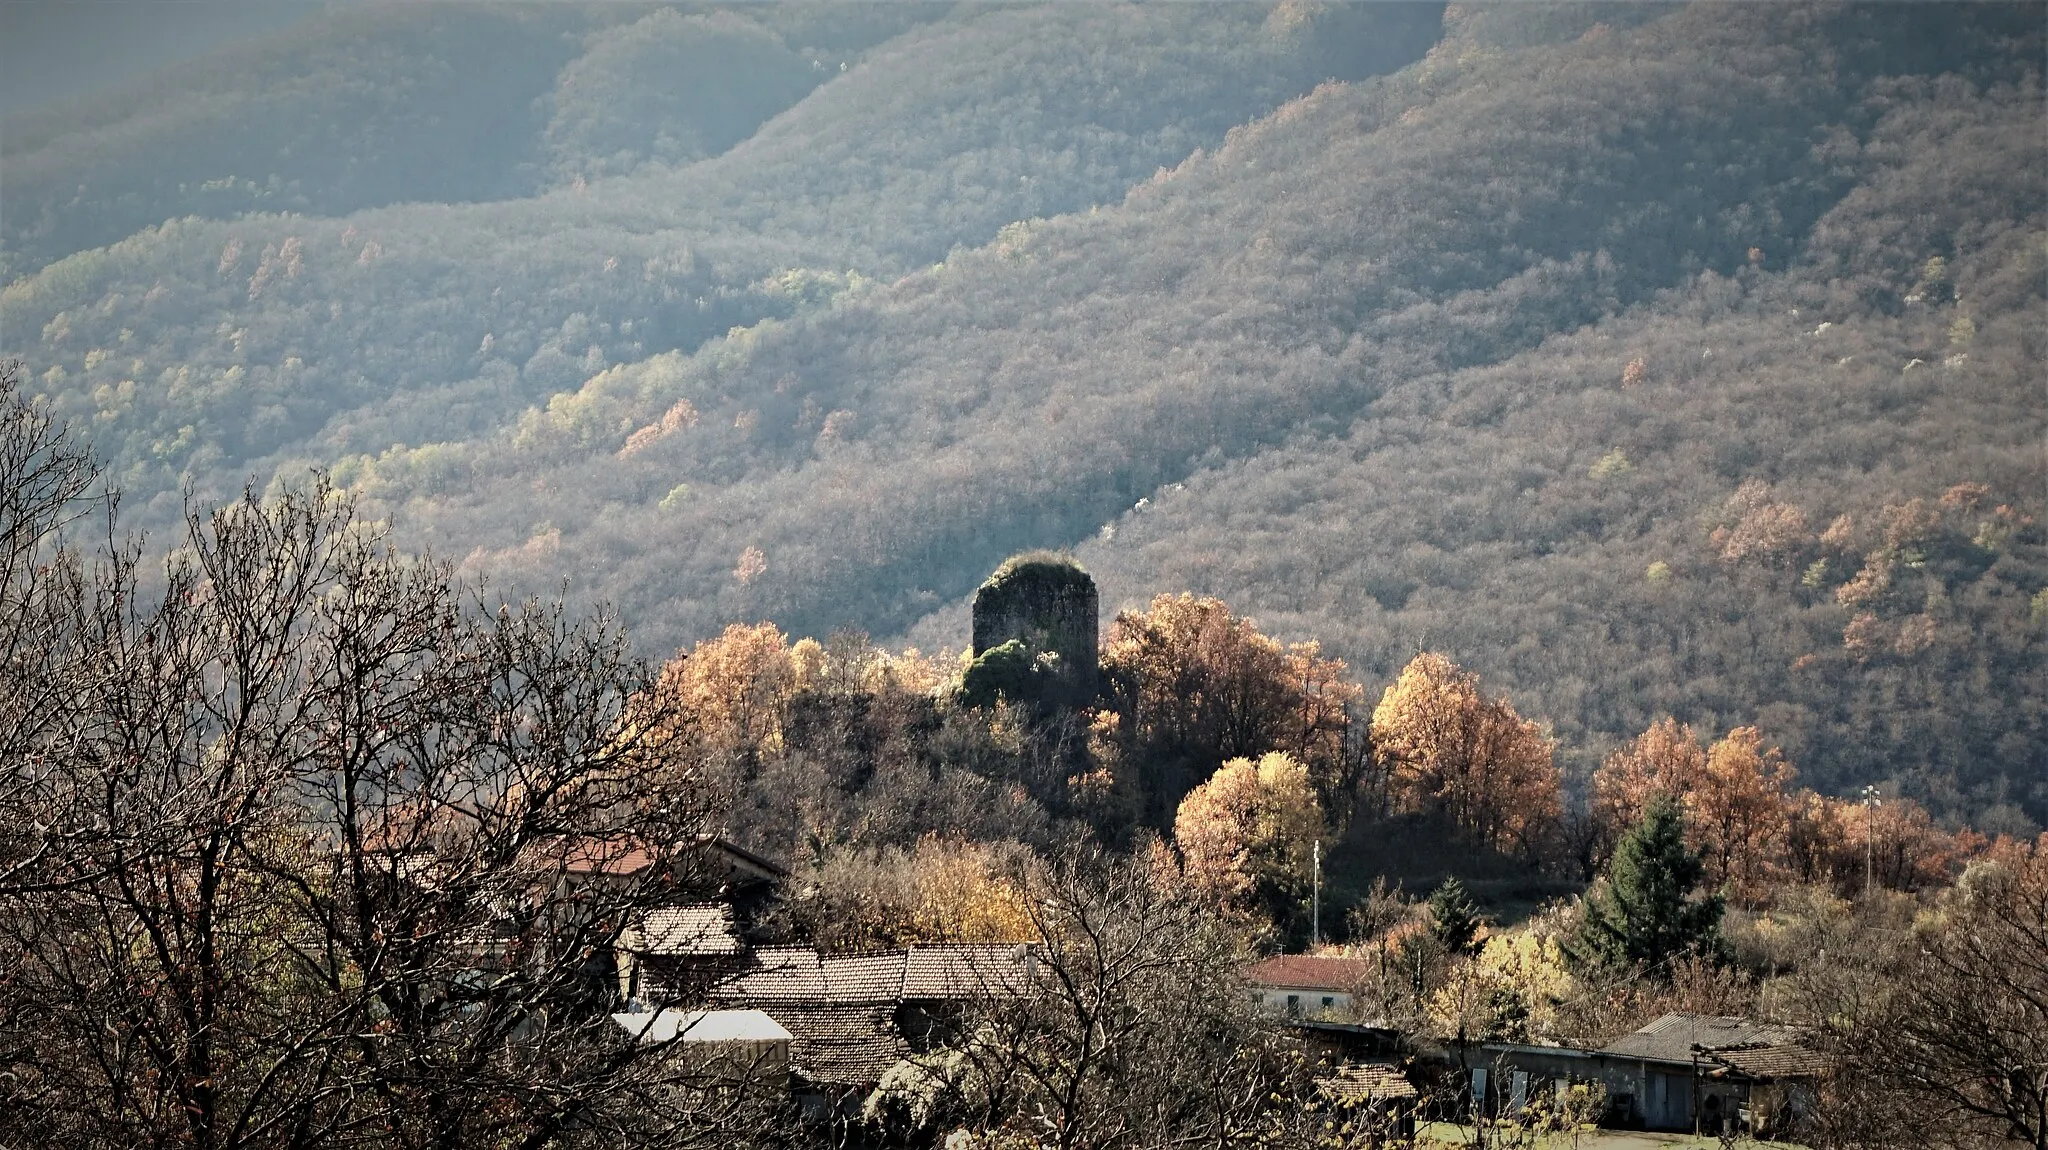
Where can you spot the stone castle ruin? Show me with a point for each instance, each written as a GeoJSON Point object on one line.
{"type": "Point", "coordinates": [1036, 634]}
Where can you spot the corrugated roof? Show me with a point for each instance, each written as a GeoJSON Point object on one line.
{"type": "Point", "coordinates": [703, 1026]}
{"type": "Point", "coordinates": [697, 930]}
{"type": "Point", "coordinates": [966, 970]}
{"type": "Point", "coordinates": [1672, 1037]}
{"type": "Point", "coordinates": [1774, 1060]}
{"type": "Point", "coordinates": [1370, 1082]}
{"type": "Point", "coordinates": [1307, 972]}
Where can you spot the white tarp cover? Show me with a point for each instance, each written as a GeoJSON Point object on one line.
{"type": "Point", "coordinates": [703, 1026]}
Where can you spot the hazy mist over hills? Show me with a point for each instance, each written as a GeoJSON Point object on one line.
{"type": "Point", "coordinates": [57, 53]}
{"type": "Point", "coordinates": [1646, 359]}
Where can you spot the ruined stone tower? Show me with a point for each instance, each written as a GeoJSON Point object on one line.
{"type": "Point", "coordinates": [1035, 631]}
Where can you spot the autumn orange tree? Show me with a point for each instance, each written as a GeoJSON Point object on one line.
{"type": "Point", "coordinates": [1664, 759]}
{"type": "Point", "coordinates": [1736, 812]}
{"type": "Point", "coordinates": [1751, 830]}
{"type": "Point", "coordinates": [1194, 686]}
{"type": "Point", "coordinates": [1738, 816]}
{"type": "Point", "coordinates": [1817, 838]}
{"type": "Point", "coordinates": [1451, 751]}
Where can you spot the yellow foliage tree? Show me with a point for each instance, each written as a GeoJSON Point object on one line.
{"type": "Point", "coordinates": [1248, 834]}
{"type": "Point", "coordinates": [964, 896]}
{"type": "Point", "coordinates": [937, 890]}
{"type": "Point", "coordinates": [733, 689]}
{"type": "Point", "coordinates": [1509, 991]}
{"type": "Point", "coordinates": [1451, 751]}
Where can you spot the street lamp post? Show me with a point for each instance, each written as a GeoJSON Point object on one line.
{"type": "Point", "coordinates": [1315, 905]}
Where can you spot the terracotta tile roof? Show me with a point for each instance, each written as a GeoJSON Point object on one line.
{"type": "Point", "coordinates": [1307, 972]}
{"type": "Point", "coordinates": [966, 970]}
{"type": "Point", "coordinates": [863, 978]}
{"type": "Point", "coordinates": [606, 856]}
{"type": "Point", "coordinates": [1772, 1060]}
{"type": "Point", "coordinates": [1673, 1037]}
{"type": "Point", "coordinates": [590, 854]}
{"type": "Point", "coordinates": [1373, 1081]}
{"type": "Point", "coordinates": [695, 930]}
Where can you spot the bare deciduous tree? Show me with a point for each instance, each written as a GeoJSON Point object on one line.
{"type": "Point", "coordinates": [1129, 1027]}
{"type": "Point", "coordinates": [1944, 1027]}
{"type": "Point", "coordinates": [312, 847]}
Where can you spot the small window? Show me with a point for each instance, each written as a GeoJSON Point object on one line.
{"type": "Point", "coordinates": [1294, 1004]}
{"type": "Point", "coordinates": [1329, 1000]}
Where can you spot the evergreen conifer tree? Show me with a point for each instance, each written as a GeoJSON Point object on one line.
{"type": "Point", "coordinates": [1643, 911]}
{"type": "Point", "coordinates": [1453, 917]}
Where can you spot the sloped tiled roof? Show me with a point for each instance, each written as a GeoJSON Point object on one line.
{"type": "Point", "coordinates": [1672, 1037]}
{"type": "Point", "coordinates": [593, 855]}
{"type": "Point", "coordinates": [863, 978]}
{"type": "Point", "coordinates": [1370, 1082]}
{"type": "Point", "coordinates": [965, 970]}
{"type": "Point", "coordinates": [842, 1045]}
{"type": "Point", "coordinates": [1771, 1060]}
{"type": "Point", "coordinates": [1307, 972]}
{"type": "Point", "coordinates": [699, 930]}
{"type": "Point", "coordinates": [797, 976]}
{"type": "Point", "coordinates": [775, 974]}
{"type": "Point", "coordinates": [739, 859]}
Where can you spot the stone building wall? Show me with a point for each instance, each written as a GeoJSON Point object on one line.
{"type": "Point", "coordinates": [1050, 605]}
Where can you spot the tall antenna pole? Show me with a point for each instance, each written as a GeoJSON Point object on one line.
{"type": "Point", "coordinates": [1315, 914]}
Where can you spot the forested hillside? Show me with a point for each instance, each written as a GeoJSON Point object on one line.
{"type": "Point", "coordinates": [1647, 360]}
{"type": "Point", "coordinates": [419, 103]}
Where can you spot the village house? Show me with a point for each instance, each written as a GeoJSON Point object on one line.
{"type": "Point", "coordinates": [685, 974]}
{"type": "Point", "coordinates": [1686, 1072]}
{"type": "Point", "coordinates": [854, 1016]}
{"type": "Point", "coordinates": [1306, 985]}
{"type": "Point", "coordinates": [847, 1018]}
{"type": "Point", "coordinates": [1681, 1072]}
{"type": "Point", "coordinates": [1360, 1064]}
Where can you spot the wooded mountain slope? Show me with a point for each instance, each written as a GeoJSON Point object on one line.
{"type": "Point", "coordinates": [1563, 349]}
{"type": "Point", "coordinates": [201, 351]}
